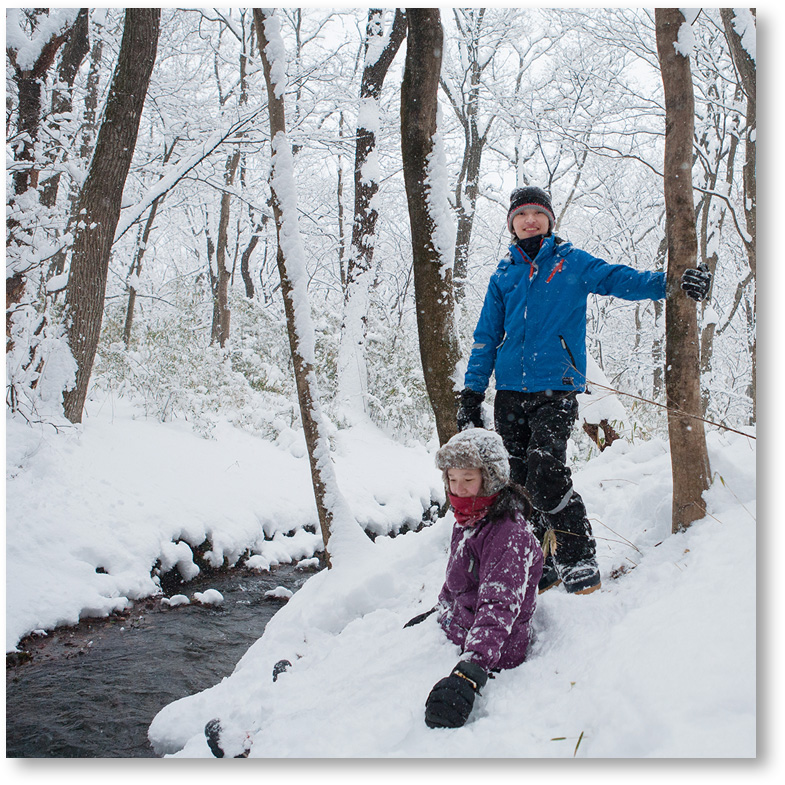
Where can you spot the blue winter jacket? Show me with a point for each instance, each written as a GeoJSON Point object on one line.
{"type": "Point", "coordinates": [532, 327]}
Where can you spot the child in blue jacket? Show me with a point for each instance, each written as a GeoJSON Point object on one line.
{"type": "Point", "coordinates": [532, 335]}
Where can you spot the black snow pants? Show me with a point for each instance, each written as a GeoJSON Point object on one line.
{"type": "Point", "coordinates": [535, 428]}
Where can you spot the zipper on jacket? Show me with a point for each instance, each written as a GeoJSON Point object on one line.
{"type": "Point", "coordinates": [568, 379]}
{"type": "Point", "coordinates": [532, 264]}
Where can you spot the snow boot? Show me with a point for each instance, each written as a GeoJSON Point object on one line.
{"type": "Point", "coordinates": [550, 575]}
{"type": "Point", "coordinates": [580, 578]}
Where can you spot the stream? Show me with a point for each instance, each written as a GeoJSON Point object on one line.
{"type": "Point", "coordinates": [92, 690]}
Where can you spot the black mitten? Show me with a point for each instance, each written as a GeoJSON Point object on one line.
{"type": "Point", "coordinates": [696, 282]}
{"type": "Point", "coordinates": [451, 700]}
{"type": "Point", "coordinates": [470, 410]}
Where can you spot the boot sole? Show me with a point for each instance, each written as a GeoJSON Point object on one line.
{"type": "Point", "coordinates": [589, 590]}
{"type": "Point", "coordinates": [556, 583]}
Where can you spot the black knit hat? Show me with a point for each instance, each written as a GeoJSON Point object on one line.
{"type": "Point", "coordinates": [527, 197]}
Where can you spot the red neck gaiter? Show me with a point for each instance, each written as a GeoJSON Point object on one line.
{"type": "Point", "coordinates": [470, 509]}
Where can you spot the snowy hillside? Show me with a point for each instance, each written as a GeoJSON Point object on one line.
{"type": "Point", "coordinates": [660, 663]}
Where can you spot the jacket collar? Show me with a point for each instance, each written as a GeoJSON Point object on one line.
{"type": "Point", "coordinates": [548, 245]}
{"type": "Point", "coordinates": [518, 254]}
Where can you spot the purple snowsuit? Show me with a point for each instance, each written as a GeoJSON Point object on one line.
{"type": "Point", "coordinates": [490, 591]}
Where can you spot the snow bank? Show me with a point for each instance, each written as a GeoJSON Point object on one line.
{"type": "Point", "coordinates": [91, 510]}
{"type": "Point", "coordinates": [659, 663]}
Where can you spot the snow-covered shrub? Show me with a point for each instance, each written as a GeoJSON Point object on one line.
{"type": "Point", "coordinates": [397, 400]}
{"type": "Point", "coordinates": [171, 371]}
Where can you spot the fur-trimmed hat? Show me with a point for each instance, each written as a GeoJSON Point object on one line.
{"type": "Point", "coordinates": [477, 448]}
{"type": "Point", "coordinates": [530, 197]}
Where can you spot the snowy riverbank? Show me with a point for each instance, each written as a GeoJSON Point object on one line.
{"type": "Point", "coordinates": [660, 663]}
{"type": "Point", "coordinates": [90, 510]}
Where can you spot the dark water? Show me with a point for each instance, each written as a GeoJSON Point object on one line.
{"type": "Point", "coordinates": [91, 691]}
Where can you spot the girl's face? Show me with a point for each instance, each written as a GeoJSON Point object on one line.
{"type": "Point", "coordinates": [530, 223]}
{"type": "Point", "coordinates": [464, 482]}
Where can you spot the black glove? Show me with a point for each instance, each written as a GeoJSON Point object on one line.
{"type": "Point", "coordinates": [450, 701]}
{"type": "Point", "coordinates": [696, 282]}
{"type": "Point", "coordinates": [470, 410]}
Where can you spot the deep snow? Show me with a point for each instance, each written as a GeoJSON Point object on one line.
{"type": "Point", "coordinates": [660, 663]}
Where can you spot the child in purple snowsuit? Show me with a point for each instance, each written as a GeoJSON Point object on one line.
{"type": "Point", "coordinates": [495, 563]}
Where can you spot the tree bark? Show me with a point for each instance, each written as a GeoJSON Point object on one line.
{"type": "Point", "coordinates": [101, 196]}
{"type": "Point", "coordinates": [87, 135]}
{"type": "Point", "coordinates": [689, 456]}
{"type": "Point", "coordinates": [432, 274]}
{"type": "Point", "coordinates": [352, 368]}
{"type": "Point", "coordinates": [222, 309]}
{"type": "Point", "coordinates": [245, 262]}
{"type": "Point", "coordinates": [334, 515]}
{"type": "Point", "coordinates": [28, 85]}
{"type": "Point", "coordinates": [467, 188]}
{"type": "Point", "coordinates": [136, 265]}
{"type": "Point", "coordinates": [365, 186]}
{"type": "Point", "coordinates": [746, 68]}
{"type": "Point", "coordinates": [74, 52]}
{"type": "Point", "coordinates": [90, 119]}
{"type": "Point", "coordinates": [657, 349]}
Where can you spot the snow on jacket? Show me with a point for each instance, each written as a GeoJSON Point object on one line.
{"type": "Point", "coordinates": [490, 590]}
{"type": "Point", "coordinates": [532, 327]}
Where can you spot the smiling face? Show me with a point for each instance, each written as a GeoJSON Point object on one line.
{"type": "Point", "coordinates": [529, 223]}
{"type": "Point", "coordinates": [464, 482]}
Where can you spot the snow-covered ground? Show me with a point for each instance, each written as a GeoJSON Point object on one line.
{"type": "Point", "coordinates": [660, 663]}
{"type": "Point", "coordinates": [121, 492]}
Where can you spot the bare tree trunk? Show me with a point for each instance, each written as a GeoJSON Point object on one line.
{"type": "Point", "coordinates": [222, 310]}
{"type": "Point", "coordinates": [657, 349]}
{"type": "Point", "coordinates": [751, 327]}
{"type": "Point", "coordinates": [467, 188]}
{"type": "Point", "coordinates": [213, 278]}
{"type": "Point", "coordinates": [25, 174]}
{"type": "Point", "coordinates": [101, 197]}
{"type": "Point", "coordinates": [366, 185]}
{"type": "Point", "coordinates": [136, 265]}
{"type": "Point", "coordinates": [710, 259]}
{"type": "Point", "coordinates": [432, 273]}
{"type": "Point", "coordinates": [337, 525]}
{"type": "Point", "coordinates": [747, 71]}
{"type": "Point", "coordinates": [689, 456]}
{"type": "Point", "coordinates": [74, 51]}
{"type": "Point", "coordinates": [340, 214]}
{"type": "Point", "coordinates": [28, 85]}
{"type": "Point", "coordinates": [466, 192]}
{"type": "Point", "coordinates": [746, 68]}
{"type": "Point", "coordinates": [245, 260]}
{"type": "Point", "coordinates": [87, 134]}
{"type": "Point", "coordinates": [352, 369]}
{"type": "Point", "coordinates": [91, 100]}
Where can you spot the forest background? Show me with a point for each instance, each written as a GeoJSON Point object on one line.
{"type": "Point", "coordinates": [194, 321]}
